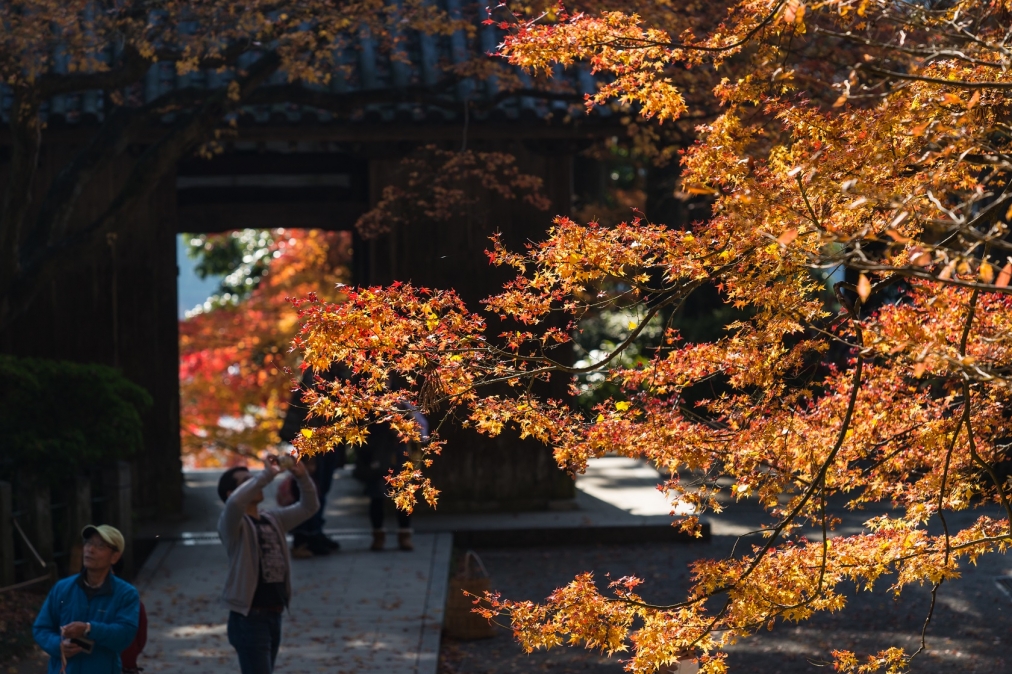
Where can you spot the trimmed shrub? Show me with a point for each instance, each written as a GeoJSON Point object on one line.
{"type": "Point", "coordinates": [57, 416]}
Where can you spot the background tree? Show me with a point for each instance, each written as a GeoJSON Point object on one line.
{"type": "Point", "coordinates": [235, 349]}
{"type": "Point", "coordinates": [865, 135]}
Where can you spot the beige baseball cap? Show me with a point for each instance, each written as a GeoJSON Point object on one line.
{"type": "Point", "coordinates": [110, 535]}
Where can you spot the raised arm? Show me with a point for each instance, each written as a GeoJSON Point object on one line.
{"type": "Point", "coordinates": [309, 501]}
{"type": "Point", "coordinates": [230, 521]}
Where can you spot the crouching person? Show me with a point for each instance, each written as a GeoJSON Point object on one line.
{"type": "Point", "coordinates": [258, 586]}
{"type": "Point", "coordinates": [89, 618]}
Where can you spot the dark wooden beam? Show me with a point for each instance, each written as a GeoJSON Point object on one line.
{"type": "Point", "coordinates": [247, 162]}
{"type": "Point", "coordinates": [264, 194]}
{"type": "Point", "coordinates": [213, 218]}
{"type": "Point", "coordinates": [367, 132]}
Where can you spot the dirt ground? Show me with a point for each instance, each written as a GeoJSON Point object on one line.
{"type": "Point", "coordinates": [971, 630]}
{"type": "Point", "coordinates": [34, 662]}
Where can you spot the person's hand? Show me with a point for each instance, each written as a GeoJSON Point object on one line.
{"type": "Point", "coordinates": [298, 469]}
{"type": "Point", "coordinates": [74, 630]}
{"type": "Point", "coordinates": [69, 649]}
{"type": "Point", "coordinates": [271, 464]}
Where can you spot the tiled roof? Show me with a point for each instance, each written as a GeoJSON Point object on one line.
{"type": "Point", "coordinates": [369, 70]}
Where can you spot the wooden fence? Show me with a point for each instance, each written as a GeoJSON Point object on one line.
{"type": "Point", "coordinates": [40, 525]}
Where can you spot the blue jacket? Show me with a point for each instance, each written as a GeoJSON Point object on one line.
{"type": "Point", "coordinates": [113, 614]}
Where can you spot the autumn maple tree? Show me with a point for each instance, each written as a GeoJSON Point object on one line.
{"type": "Point", "coordinates": [235, 349]}
{"type": "Point", "coordinates": [868, 137]}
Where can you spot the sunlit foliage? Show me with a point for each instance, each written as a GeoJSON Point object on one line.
{"type": "Point", "coordinates": [867, 135]}
{"type": "Point", "coordinates": [234, 353]}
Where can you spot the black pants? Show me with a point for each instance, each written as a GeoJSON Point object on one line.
{"type": "Point", "coordinates": [255, 638]}
{"type": "Point", "coordinates": [376, 514]}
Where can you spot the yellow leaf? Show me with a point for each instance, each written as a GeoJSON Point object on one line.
{"type": "Point", "coordinates": [986, 272]}
{"type": "Point", "coordinates": [919, 258]}
{"type": "Point", "coordinates": [600, 418]}
{"type": "Point", "coordinates": [787, 237]}
{"type": "Point", "coordinates": [632, 325]}
{"type": "Point", "coordinates": [307, 433]}
{"type": "Point", "coordinates": [622, 406]}
{"type": "Point", "coordinates": [794, 12]}
{"type": "Point", "coordinates": [863, 287]}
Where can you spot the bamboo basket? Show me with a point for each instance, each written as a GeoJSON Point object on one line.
{"type": "Point", "coordinates": [459, 621]}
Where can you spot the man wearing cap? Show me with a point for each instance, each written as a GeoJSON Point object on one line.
{"type": "Point", "coordinates": [89, 618]}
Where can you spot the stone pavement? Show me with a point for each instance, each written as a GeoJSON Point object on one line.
{"type": "Point", "coordinates": [356, 610]}
{"type": "Point", "coordinates": [353, 612]}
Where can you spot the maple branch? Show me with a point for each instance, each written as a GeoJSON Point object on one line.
{"type": "Point", "coordinates": [885, 442]}
{"type": "Point", "coordinates": [961, 84]}
{"type": "Point", "coordinates": [808, 205]}
{"type": "Point", "coordinates": [554, 365]}
{"type": "Point", "coordinates": [927, 620]}
{"type": "Point", "coordinates": [669, 296]}
{"type": "Point", "coordinates": [223, 445]}
{"type": "Point", "coordinates": [914, 272]}
{"type": "Point", "coordinates": [133, 68]}
{"type": "Point", "coordinates": [787, 519]}
{"type": "Point", "coordinates": [967, 417]}
{"type": "Point", "coordinates": [929, 53]}
{"type": "Point", "coordinates": [978, 40]}
{"type": "Point", "coordinates": [941, 488]}
{"type": "Point", "coordinates": [987, 467]}
{"type": "Point", "coordinates": [644, 43]}
{"type": "Point", "coordinates": [964, 420]}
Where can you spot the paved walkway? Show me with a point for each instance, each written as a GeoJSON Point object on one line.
{"type": "Point", "coordinates": [355, 611]}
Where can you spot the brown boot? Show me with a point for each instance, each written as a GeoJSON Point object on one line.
{"type": "Point", "coordinates": [379, 539]}
{"type": "Point", "coordinates": [404, 541]}
{"type": "Point", "coordinates": [302, 552]}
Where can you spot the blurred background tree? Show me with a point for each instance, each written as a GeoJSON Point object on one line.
{"type": "Point", "coordinates": [235, 347]}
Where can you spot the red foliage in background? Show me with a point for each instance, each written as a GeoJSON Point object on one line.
{"type": "Point", "coordinates": [233, 387]}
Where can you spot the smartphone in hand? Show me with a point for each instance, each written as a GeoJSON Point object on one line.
{"type": "Point", "coordinates": [86, 645]}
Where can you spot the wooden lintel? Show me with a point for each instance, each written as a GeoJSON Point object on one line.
{"type": "Point", "coordinates": [370, 132]}
{"type": "Point", "coordinates": [223, 217]}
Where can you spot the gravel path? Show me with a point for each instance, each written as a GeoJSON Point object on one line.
{"type": "Point", "coordinates": [971, 631]}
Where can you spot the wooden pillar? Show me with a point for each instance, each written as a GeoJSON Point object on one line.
{"type": "Point", "coordinates": [78, 517]}
{"type": "Point", "coordinates": [37, 523]}
{"type": "Point", "coordinates": [6, 535]}
{"type": "Point", "coordinates": [116, 481]}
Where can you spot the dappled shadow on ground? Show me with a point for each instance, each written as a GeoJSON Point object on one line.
{"type": "Point", "coordinates": [971, 631]}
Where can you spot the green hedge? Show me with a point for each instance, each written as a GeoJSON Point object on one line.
{"type": "Point", "coordinates": [56, 417]}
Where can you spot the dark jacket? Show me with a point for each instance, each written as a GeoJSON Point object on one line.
{"type": "Point", "coordinates": [113, 614]}
{"type": "Point", "coordinates": [383, 452]}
